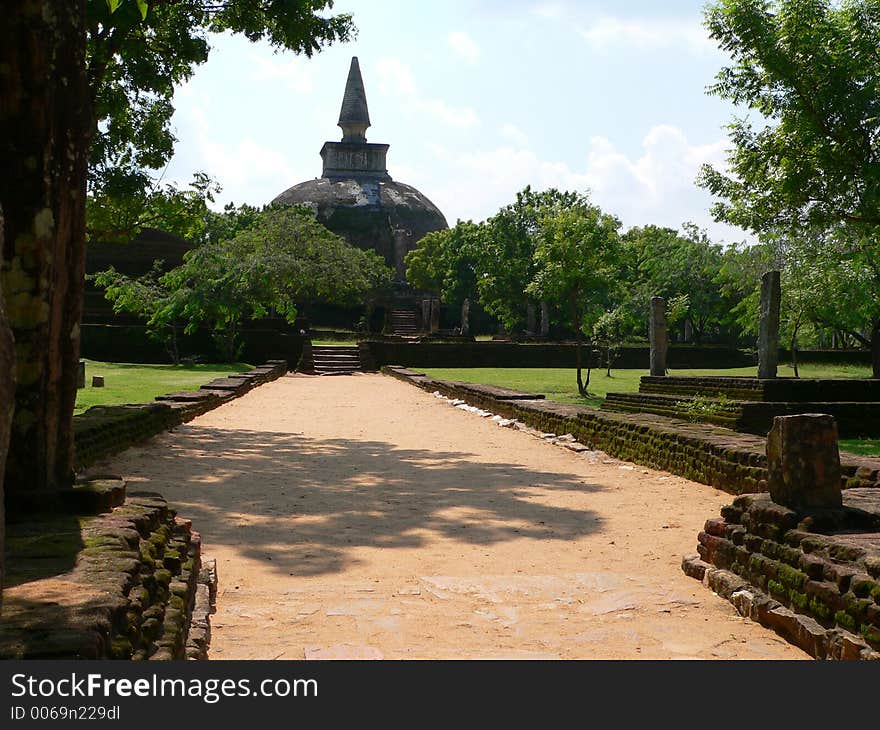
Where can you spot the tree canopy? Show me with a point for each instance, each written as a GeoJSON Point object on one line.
{"type": "Point", "coordinates": [811, 166]}
{"type": "Point", "coordinates": [282, 259]}
{"type": "Point", "coordinates": [811, 69]}
{"type": "Point", "coordinates": [138, 52]}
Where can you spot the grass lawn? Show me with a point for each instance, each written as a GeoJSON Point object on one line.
{"type": "Point", "coordinates": [559, 384]}
{"type": "Point", "coordinates": [132, 383]}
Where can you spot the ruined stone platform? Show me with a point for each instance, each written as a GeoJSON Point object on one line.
{"type": "Point", "coordinates": [93, 573]}
{"type": "Point", "coordinates": [812, 577]}
{"type": "Point", "coordinates": [126, 583]}
{"type": "Point", "coordinates": [720, 457]}
{"type": "Point", "coordinates": [750, 404]}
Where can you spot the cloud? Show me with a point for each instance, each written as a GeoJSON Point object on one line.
{"type": "Point", "coordinates": [549, 10]}
{"type": "Point", "coordinates": [463, 46]}
{"type": "Point", "coordinates": [610, 32]}
{"type": "Point", "coordinates": [247, 169]}
{"type": "Point", "coordinates": [655, 186]}
{"type": "Point", "coordinates": [514, 134]}
{"type": "Point", "coordinates": [396, 77]}
{"type": "Point", "coordinates": [293, 73]}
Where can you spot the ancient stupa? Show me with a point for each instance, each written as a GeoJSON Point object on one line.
{"type": "Point", "coordinates": [355, 196]}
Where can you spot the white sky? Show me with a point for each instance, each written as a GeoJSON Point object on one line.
{"type": "Point", "coordinates": [479, 98]}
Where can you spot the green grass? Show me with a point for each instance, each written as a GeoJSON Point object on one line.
{"type": "Point", "coordinates": [130, 383]}
{"type": "Point", "coordinates": [559, 384]}
{"type": "Point", "coordinates": [863, 447]}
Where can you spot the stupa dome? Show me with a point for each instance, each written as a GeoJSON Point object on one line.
{"type": "Point", "coordinates": [355, 196]}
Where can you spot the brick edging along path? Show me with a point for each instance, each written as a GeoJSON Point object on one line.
{"type": "Point", "coordinates": [713, 455]}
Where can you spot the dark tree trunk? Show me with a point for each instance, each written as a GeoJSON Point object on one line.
{"type": "Point", "coordinates": [7, 407]}
{"type": "Point", "coordinates": [578, 354]}
{"type": "Point", "coordinates": [875, 348]}
{"type": "Point", "coordinates": [45, 126]}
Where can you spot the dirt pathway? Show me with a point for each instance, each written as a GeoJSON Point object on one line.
{"type": "Point", "coordinates": [360, 517]}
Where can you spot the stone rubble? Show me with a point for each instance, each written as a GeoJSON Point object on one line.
{"type": "Point", "coordinates": [566, 441]}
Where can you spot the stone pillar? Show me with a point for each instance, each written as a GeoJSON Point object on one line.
{"type": "Point", "coordinates": [466, 317]}
{"type": "Point", "coordinates": [81, 377]}
{"type": "Point", "coordinates": [426, 315]}
{"type": "Point", "coordinates": [545, 320]}
{"type": "Point", "coordinates": [435, 316]}
{"type": "Point", "coordinates": [531, 320]}
{"type": "Point", "coordinates": [768, 326]}
{"type": "Point", "coordinates": [804, 462]}
{"type": "Point", "coordinates": [657, 336]}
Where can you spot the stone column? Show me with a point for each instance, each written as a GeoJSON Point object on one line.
{"type": "Point", "coordinates": [81, 377]}
{"type": "Point", "coordinates": [545, 320]}
{"type": "Point", "coordinates": [657, 336]}
{"type": "Point", "coordinates": [435, 316]}
{"type": "Point", "coordinates": [426, 315]}
{"type": "Point", "coordinates": [531, 320]}
{"type": "Point", "coordinates": [768, 326]}
{"type": "Point", "coordinates": [803, 462]}
{"type": "Point", "coordinates": [466, 317]}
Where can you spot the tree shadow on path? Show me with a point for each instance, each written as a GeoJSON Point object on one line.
{"type": "Point", "coordinates": [302, 504]}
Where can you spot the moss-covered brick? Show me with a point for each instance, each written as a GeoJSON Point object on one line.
{"type": "Point", "coordinates": [812, 543]}
{"type": "Point", "coordinates": [790, 577]}
{"type": "Point", "coordinates": [777, 589]}
{"type": "Point", "coordinates": [871, 634]}
{"type": "Point", "coordinates": [812, 565]}
{"type": "Point", "coordinates": [731, 514]}
{"type": "Point", "coordinates": [819, 609]}
{"type": "Point", "coordinates": [847, 553]}
{"type": "Point", "coordinates": [856, 607]}
{"type": "Point", "coordinates": [770, 549]}
{"type": "Point", "coordinates": [121, 648]}
{"type": "Point", "coordinates": [799, 600]}
{"type": "Point", "coordinates": [842, 618]}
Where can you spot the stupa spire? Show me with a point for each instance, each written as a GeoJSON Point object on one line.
{"type": "Point", "coordinates": [354, 118]}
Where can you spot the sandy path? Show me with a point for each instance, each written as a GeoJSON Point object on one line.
{"type": "Point", "coordinates": [360, 517]}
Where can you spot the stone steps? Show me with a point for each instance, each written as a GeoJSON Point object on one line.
{"type": "Point", "coordinates": [404, 323]}
{"type": "Point", "coordinates": [336, 360]}
{"type": "Point", "coordinates": [754, 415]}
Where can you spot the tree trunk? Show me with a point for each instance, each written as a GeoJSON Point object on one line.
{"type": "Point", "coordinates": [7, 407]}
{"type": "Point", "coordinates": [794, 354]}
{"type": "Point", "coordinates": [875, 348]}
{"type": "Point", "coordinates": [579, 361]}
{"type": "Point", "coordinates": [45, 127]}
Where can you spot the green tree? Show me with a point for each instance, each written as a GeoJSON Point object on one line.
{"type": "Point", "coordinates": [115, 218]}
{"type": "Point", "coordinates": [283, 259]}
{"type": "Point", "coordinates": [575, 253]}
{"type": "Point", "coordinates": [609, 333]}
{"type": "Point", "coordinates": [445, 262]}
{"type": "Point", "coordinates": [506, 264]}
{"type": "Point", "coordinates": [147, 297]}
{"type": "Point", "coordinates": [139, 52]}
{"type": "Point", "coordinates": [663, 262]}
{"type": "Point", "coordinates": [91, 84]}
{"type": "Point", "coordinates": [811, 69]}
